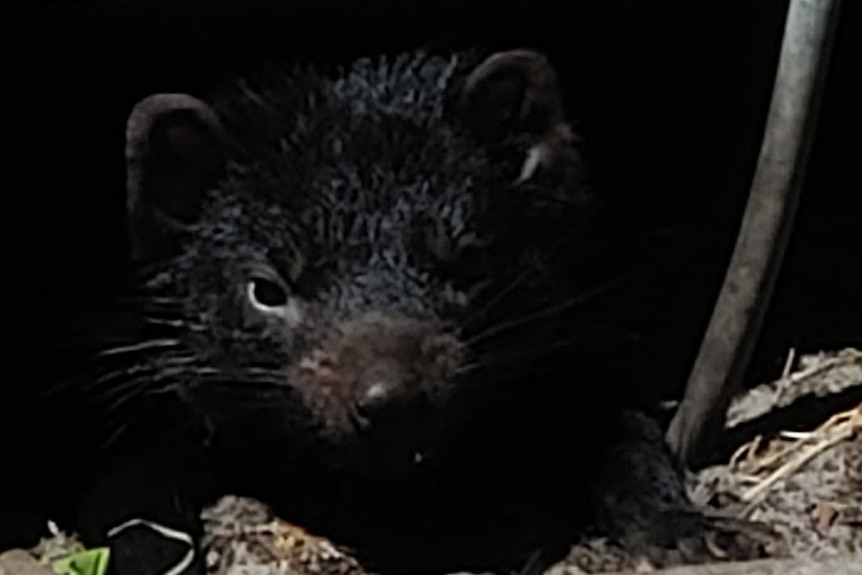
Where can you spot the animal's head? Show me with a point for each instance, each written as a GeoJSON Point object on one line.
{"type": "Point", "coordinates": [346, 252]}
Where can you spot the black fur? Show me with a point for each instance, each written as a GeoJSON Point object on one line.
{"type": "Point", "coordinates": [372, 192]}
{"type": "Point", "coordinates": [370, 180]}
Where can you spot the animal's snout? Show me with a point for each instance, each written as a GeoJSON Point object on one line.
{"type": "Point", "coordinates": [376, 383]}
{"type": "Point", "coordinates": [376, 369]}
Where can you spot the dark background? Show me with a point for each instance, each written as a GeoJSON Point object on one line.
{"type": "Point", "coordinates": [672, 98]}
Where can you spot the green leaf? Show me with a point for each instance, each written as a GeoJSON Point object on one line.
{"type": "Point", "coordinates": [90, 562]}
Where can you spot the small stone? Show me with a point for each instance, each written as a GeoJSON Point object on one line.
{"type": "Point", "coordinates": [19, 562]}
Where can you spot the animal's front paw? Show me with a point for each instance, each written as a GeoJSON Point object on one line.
{"type": "Point", "coordinates": [688, 536]}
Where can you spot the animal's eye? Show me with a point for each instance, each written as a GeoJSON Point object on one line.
{"type": "Point", "coordinates": [266, 294]}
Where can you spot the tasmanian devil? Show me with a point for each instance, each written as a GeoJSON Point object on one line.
{"type": "Point", "coordinates": [372, 296]}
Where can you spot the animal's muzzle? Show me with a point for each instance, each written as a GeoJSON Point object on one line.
{"type": "Point", "coordinates": [377, 382]}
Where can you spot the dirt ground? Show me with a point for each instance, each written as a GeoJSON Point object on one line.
{"type": "Point", "coordinates": [797, 460]}
{"type": "Point", "coordinates": [791, 457]}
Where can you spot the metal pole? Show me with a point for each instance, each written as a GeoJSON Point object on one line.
{"type": "Point", "coordinates": [748, 285]}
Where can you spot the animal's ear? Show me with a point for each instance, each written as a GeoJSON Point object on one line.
{"type": "Point", "coordinates": [516, 90]}
{"type": "Point", "coordinates": [174, 152]}
{"type": "Point", "coordinates": [516, 93]}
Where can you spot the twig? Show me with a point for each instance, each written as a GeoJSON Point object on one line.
{"type": "Point", "coordinates": [843, 358]}
{"type": "Point", "coordinates": [850, 423]}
